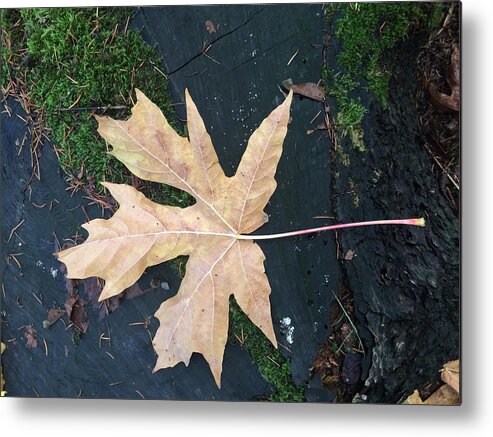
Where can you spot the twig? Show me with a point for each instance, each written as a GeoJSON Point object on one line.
{"type": "Point", "coordinates": [451, 179]}
{"type": "Point", "coordinates": [350, 321]}
{"type": "Point", "coordinates": [91, 108]}
{"type": "Point", "coordinates": [36, 297]}
{"type": "Point", "coordinates": [160, 72]}
{"type": "Point", "coordinates": [15, 228]}
{"type": "Point", "coordinates": [294, 56]}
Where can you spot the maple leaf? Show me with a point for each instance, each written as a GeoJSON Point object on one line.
{"type": "Point", "coordinates": [211, 232]}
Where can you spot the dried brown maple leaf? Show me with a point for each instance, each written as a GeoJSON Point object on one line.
{"type": "Point", "coordinates": [143, 233]}
{"type": "Point", "coordinates": [223, 259]}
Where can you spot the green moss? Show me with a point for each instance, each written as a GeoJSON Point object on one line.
{"type": "Point", "coordinates": [353, 189]}
{"type": "Point", "coordinates": [437, 14]}
{"type": "Point", "coordinates": [87, 57]}
{"type": "Point", "coordinates": [366, 31]}
{"type": "Point", "coordinates": [272, 365]}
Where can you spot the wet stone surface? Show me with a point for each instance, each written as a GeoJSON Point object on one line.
{"type": "Point", "coordinates": [405, 280]}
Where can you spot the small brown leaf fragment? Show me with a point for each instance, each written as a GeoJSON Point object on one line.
{"type": "Point", "coordinates": [92, 288]}
{"type": "Point", "coordinates": [31, 336]}
{"type": "Point", "coordinates": [209, 25]}
{"type": "Point", "coordinates": [81, 172]}
{"type": "Point", "coordinates": [321, 126]}
{"type": "Point", "coordinates": [77, 312]}
{"type": "Point", "coordinates": [54, 314]}
{"type": "Point", "coordinates": [451, 376]}
{"type": "Point", "coordinates": [327, 365]}
{"type": "Point", "coordinates": [448, 102]}
{"type": "Point", "coordinates": [133, 291]}
{"type": "Point", "coordinates": [413, 399]}
{"type": "Point", "coordinates": [445, 395]}
{"type": "Point", "coordinates": [309, 89]}
{"type": "Point", "coordinates": [349, 255]}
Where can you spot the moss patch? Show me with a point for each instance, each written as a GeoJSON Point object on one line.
{"type": "Point", "coordinates": [271, 364]}
{"type": "Point", "coordinates": [78, 59]}
{"type": "Point", "coordinates": [365, 32]}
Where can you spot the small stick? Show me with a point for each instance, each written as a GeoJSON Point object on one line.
{"type": "Point", "coordinates": [100, 338]}
{"type": "Point", "coordinates": [85, 212]}
{"type": "Point", "coordinates": [91, 108]}
{"type": "Point", "coordinates": [210, 57]}
{"type": "Point", "coordinates": [140, 394]}
{"type": "Point", "coordinates": [109, 333]}
{"type": "Point", "coordinates": [36, 297]}
{"type": "Point", "coordinates": [23, 119]}
{"type": "Point", "coordinates": [126, 25]}
{"type": "Point", "coordinates": [239, 339]}
{"type": "Point", "coordinates": [343, 341]}
{"type": "Point", "coordinates": [456, 185]}
{"type": "Point", "coordinates": [15, 228]}
{"type": "Point", "coordinates": [350, 321]}
{"type": "Point", "coordinates": [314, 118]}
{"type": "Point", "coordinates": [75, 103]}
{"type": "Point", "coordinates": [285, 347]}
{"type": "Point", "coordinates": [46, 346]}
{"type": "Point", "coordinates": [274, 361]}
{"type": "Point", "coordinates": [294, 56]}
{"type": "Point", "coordinates": [14, 257]}
{"type": "Point", "coordinates": [160, 72]}
{"type": "Point", "coordinates": [111, 356]}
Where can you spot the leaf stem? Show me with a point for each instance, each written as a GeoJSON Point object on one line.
{"type": "Point", "coordinates": [409, 222]}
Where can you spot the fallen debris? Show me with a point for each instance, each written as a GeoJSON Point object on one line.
{"type": "Point", "coordinates": [209, 25]}
{"type": "Point", "coordinates": [443, 101]}
{"type": "Point", "coordinates": [54, 314]}
{"type": "Point", "coordinates": [309, 90]}
{"type": "Point", "coordinates": [31, 336]}
{"type": "Point", "coordinates": [447, 394]}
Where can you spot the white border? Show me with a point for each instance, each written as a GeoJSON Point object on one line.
{"type": "Point", "coordinates": [23, 417]}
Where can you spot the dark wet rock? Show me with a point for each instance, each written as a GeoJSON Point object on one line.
{"type": "Point", "coordinates": [351, 368]}
{"type": "Point", "coordinates": [405, 280]}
